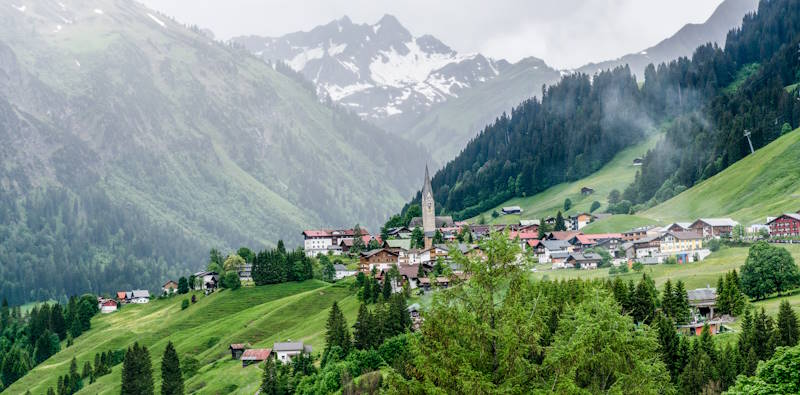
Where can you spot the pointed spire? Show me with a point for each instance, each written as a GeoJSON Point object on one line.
{"type": "Point", "coordinates": [427, 186]}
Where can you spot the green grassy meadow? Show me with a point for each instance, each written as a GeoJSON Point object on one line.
{"type": "Point", "coordinates": [257, 315]}
{"type": "Point", "coordinates": [764, 183]}
{"type": "Point", "coordinates": [618, 224]}
{"type": "Point", "coordinates": [616, 174]}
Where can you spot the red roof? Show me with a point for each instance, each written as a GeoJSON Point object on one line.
{"type": "Point", "coordinates": [109, 303]}
{"type": "Point", "coordinates": [523, 235]}
{"type": "Point", "coordinates": [256, 354]}
{"type": "Point", "coordinates": [332, 232]}
{"type": "Point", "coordinates": [585, 240]}
{"type": "Point", "coordinates": [565, 235]}
{"type": "Point", "coordinates": [533, 243]}
{"type": "Point", "coordinates": [121, 295]}
{"type": "Point", "coordinates": [237, 346]}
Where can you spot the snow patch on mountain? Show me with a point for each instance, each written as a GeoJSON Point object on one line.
{"type": "Point", "coordinates": [159, 21]}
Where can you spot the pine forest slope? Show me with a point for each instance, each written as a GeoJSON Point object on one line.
{"type": "Point", "coordinates": [766, 183]}
{"type": "Point", "coordinates": [130, 138]}
{"type": "Point", "coordinates": [616, 174]}
{"type": "Point", "coordinates": [256, 315]}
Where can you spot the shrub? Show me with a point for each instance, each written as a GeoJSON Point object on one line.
{"type": "Point", "coordinates": [185, 304]}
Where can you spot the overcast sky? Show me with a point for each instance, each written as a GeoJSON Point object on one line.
{"type": "Point", "coordinates": [565, 33]}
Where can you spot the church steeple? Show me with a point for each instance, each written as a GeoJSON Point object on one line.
{"type": "Point", "coordinates": [428, 209]}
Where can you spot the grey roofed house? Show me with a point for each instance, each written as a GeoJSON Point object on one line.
{"type": "Point", "coordinates": [560, 255]}
{"type": "Point", "coordinates": [686, 235]}
{"type": "Point", "coordinates": [340, 268]}
{"type": "Point", "coordinates": [555, 245]}
{"type": "Point", "coordinates": [702, 296]}
{"type": "Point", "coordinates": [442, 221]}
{"type": "Point", "coordinates": [589, 256]}
{"type": "Point", "coordinates": [140, 293]}
{"type": "Point", "coordinates": [404, 244]}
{"type": "Point", "coordinates": [719, 221]}
{"type": "Point", "coordinates": [512, 209]}
{"type": "Point", "coordinates": [462, 247]}
{"type": "Point", "coordinates": [529, 222]}
{"type": "Point", "coordinates": [291, 346]}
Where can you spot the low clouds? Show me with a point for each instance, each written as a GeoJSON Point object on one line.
{"type": "Point", "coordinates": [565, 33]}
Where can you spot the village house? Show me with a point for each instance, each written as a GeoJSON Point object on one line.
{"type": "Point", "coordinates": [255, 355]}
{"type": "Point", "coordinates": [108, 306]}
{"type": "Point", "coordinates": [397, 244]}
{"type": "Point", "coordinates": [585, 191]}
{"type": "Point", "coordinates": [208, 280]}
{"type": "Point", "coordinates": [636, 233]}
{"type": "Point", "coordinates": [140, 296]}
{"type": "Point", "coordinates": [322, 241]}
{"type": "Point", "coordinates": [582, 242]}
{"type": "Point", "coordinates": [681, 244]}
{"type": "Point", "coordinates": [402, 232]}
{"type": "Point", "coordinates": [638, 161]}
{"type": "Point", "coordinates": [579, 221]}
{"type": "Point", "coordinates": [550, 220]}
{"type": "Point", "coordinates": [647, 247]}
{"type": "Point", "coordinates": [678, 227]}
{"type": "Point", "coordinates": [245, 272]}
{"type": "Point", "coordinates": [170, 287]}
{"type": "Point", "coordinates": [714, 227]}
{"type": "Point", "coordinates": [524, 237]}
{"type": "Point", "coordinates": [286, 350]}
{"type": "Point", "coordinates": [524, 223]}
{"type": "Point", "coordinates": [559, 259]}
{"type": "Point", "coordinates": [237, 349]}
{"type": "Point", "coordinates": [702, 302]}
{"type": "Point", "coordinates": [342, 271]}
{"type": "Point", "coordinates": [550, 247]}
{"type": "Point", "coordinates": [786, 225]}
{"type": "Point", "coordinates": [346, 244]}
{"type": "Point", "coordinates": [512, 210]}
{"type": "Point", "coordinates": [583, 261]}
{"type": "Point", "coordinates": [608, 241]}
{"type": "Point", "coordinates": [379, 259]}
{"type": "Point", "coordinates": [562, 235]}
{"type": "Point", "coordinates": [122, 296]}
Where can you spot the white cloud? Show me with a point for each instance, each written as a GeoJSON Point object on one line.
{"type": "Point", "coordinates": [565, 33]}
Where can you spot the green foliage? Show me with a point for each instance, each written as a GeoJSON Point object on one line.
{"type": "Point", "coordinates": [779, 375]}
{"type": "Point", "coordinates": [788, 331]}
{"type": "Point", "coordinates": [417, 238]}
{"type": "Point", "coordinates": [358, 242]}
{"type": "Point", "coordinates": [637, 266]}
{"type": "Point", "coordinates": [438, 237]}
{"type": "Point", "coordinates": [233, 263]}
{"type": "Point", "coordinates": [183, 285]}
{"type": "Point", "coordinates": [560, 225]}
{"type": "Point", "coordinates": [230, 280]}
{"type": "Point", "coordinates": [730, 299]}
{"type": "Point", "coordinates": [171, 375]}
{"type": "Point", "coordinates": [184, 304]}
{"type": "Point", "coordinates": [328, 270]}
{"type": "Point", "coordinates": [567, 204]}
{"type": "Point", "coordinates": [337, 334]}
{"type": "Point", "coordinates": [767, 270]}
{"type": "Point", "coordinates": [137, 372]}
{"type": "Point", "coordinates": [595, 205]}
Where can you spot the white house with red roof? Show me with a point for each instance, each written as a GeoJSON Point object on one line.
{"type": "Point", "coordinates": [322, 241]}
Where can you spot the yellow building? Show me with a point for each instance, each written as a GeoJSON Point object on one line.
{"type": "Point", "coordinates": [674, 242]}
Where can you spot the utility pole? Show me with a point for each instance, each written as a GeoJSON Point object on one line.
{"type": "Point", "coordinates": [747, 134]}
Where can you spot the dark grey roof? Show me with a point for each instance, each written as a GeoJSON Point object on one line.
{"type": "Point", "coordinates": [340, 267]}
{"type": "Point", "coordinates": [442, 221]}
{"type": "Point", "coordinates": [589, 256]}
{"type": "Point", "coordinates": [555, 245]}
{"type": "Point", "coordinates": [140, 293]}
{"type": "Point", "coordinates": [560, 254]}
{"type": "Point", "coordinates": [702, 294]}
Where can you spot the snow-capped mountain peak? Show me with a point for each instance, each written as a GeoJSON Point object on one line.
{"type": "Point", "coordinates": [380, 70]}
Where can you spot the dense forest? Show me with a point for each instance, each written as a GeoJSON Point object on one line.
{"type": "Point", "coordinates": [704, 104]}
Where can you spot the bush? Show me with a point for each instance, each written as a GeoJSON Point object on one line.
{"type": "Point", "coordinates": [189, 366]}
{"type": "Point", "coordinates": [595, 206]}
{"type": "Point", "coordinates": [185, 304]}
{"type": "Point", "coordinates": [637, 266]}
{"type": "Point", "coordinates": [671, 260]}
{"type": "Point", "coordinates": [231, 280]}
{"type": "Point", "coordinates": [714, 245]}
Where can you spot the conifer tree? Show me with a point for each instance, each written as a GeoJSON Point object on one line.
{"type": "Point", "coordinates": [183, 285]}
{"type": "Point", "coordinates": [337, 333]}
{"type": "Point", "coordinates": [269, 379]}
{"type": "Point", "coordinates": [137, 372]}
{"type": "Point", "coordinates": [358, 242]}
{"type": "Point", "coordinates": [670, 346]}
{"type": "Point", "coordinates": [417, 238]}
{"type": "Point", "coordinates": [386, 290]}
{"type": "Point", "coordinates": [87, 371]}
{"type": "Point", "coordinates": [788, 332]}
{"type": "Point", "coordinates": [171, 378]}
{"type": "Point", "coordinates": [57, 323]}
{"type": "Point", "coordinates": [362, 329]}
{"type": "Point", "coordinates": [723, 300]}
{"type": "Point", "coordinates": [560, 225]}
{"type": "Point", "coordinates": [680, 300]}
{"type": "Point", "coordinates": [644, 300]}
{"type": "Point", "coordinates": [4, 314]}
{"type": "Point", "coordinates": [667, 300]}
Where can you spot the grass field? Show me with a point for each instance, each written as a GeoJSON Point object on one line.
{"type": "Point", "coordinates": [764, 183]}
{"type": "Point", "coordinates": [257, 315]}
{"type": "Point", "coordinates": [616, 174]}
{"type": "Point", "coordinates": [618, 224]}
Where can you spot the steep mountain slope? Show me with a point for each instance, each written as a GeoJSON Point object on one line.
{"type": "Point", "coordinates": [727, 16]}
{"type": "Point", "coordinates": [259, 316]}
{"type": "Point", "coordinates": [616, 174]}
{"type": "Point", "coordinates": [766, 183]}
{"type": "Point", "coordinates": [175, 142]}
{"type": "Point", "coordinates": [381, 71]}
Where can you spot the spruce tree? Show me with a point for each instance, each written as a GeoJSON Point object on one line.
{"type": "Point", "coordinates": [269, 379]}
{"type": "Point", "coordinates": [137, 372]}
{"type": "Point", "coordinates": [4, 315]}
{"type": "Point", "coordinates": [337, 333]}
{"type": "Point", "coordinates": [723, 300]}
{"type": "Point", "coordinates": [358, 242]}
{"type": "Point", "coordinates": [670, 344]}
{"type": "Point", "coordinates": [183, 285]}
{"type": "Point", "coordinates": [788, 333]}
{"type": "Point", "coordinates": [560, 225]}
{"type": "Point", "coordinates": [680, 300]}
{"type": "Point", "coordinates": [171, 378]}
{"type": "Point", "coordinates": [644, 300]}
{"type": "Point", "coordinates": [386, 290]}
{"type": "Point", "coordinates": [87, 371]}
{"type": "Point", "coordinates": [667, 303]}
{"type": "Point", "coordinates": [57, 323]}
{"type": "Point", "coordinates": [362, 329]}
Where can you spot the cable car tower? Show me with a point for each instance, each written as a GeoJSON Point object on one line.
{"type": "Point", "coordinates": [747, 134]}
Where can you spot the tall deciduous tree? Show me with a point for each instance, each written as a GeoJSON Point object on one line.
{"type": "Point", "coordinates": [768, 269]}
{"type": "Point", "coordinates": [171, 377]}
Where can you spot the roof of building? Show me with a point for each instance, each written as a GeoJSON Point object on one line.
{"type": "Point", "coordinates": [563, 235]}
{"type": "Point", "coordinates": [424, 280]}
{"type": "Point", "coordinates": [170, 282]}
{"type": "Point", "coordinates": [140, 293]}
{"type": "Point", "coordinates": [589, 256]}
{"type": "Point", "coordinates": [109, 303]}
{"type": "Point", "coordinates": [555, 245]}
{"type": "Point", "coordinates": [291, 346]}
{"type": "Point", "coordinates": [512, 208]}
{"type": "Point", "coordinates": [340, 268]}
{"type": "Point", "coordinates": [398, 243]}
{"type": "Point", "coordinates": [646, 239]}
{"type": "Point", "coordinates": [237, 346]}
{"type": "Point", "coordinates": [413, 307]}
{"type": "Point", "coordinates": [121, 295]}
{"type": "Point", "coordinates": [529, 222]}
{"type": "Point", "coordinates": [699, 294]}
{"type": "Point", "coordinates": [583, 240]}
{"type": "Point", "coordinates": [790, 215]}
{"type": "Point", "coordinates": [534, 242]}
{"type": "Point", "coordinates": [686, 235]}
{"type": "Point", "coordinates": [332, 232]}
{"type": "Point", "coordinates": [408, 271]}
{"type": "Point", "coordinates": [560, 255]}
{"type": "Point", "coordinates": [603, 236]}
{"type": "Point", "coordinates": [256, 354]}
{"type": "Point", "coordinates": [462, 247]}
{"type": "Point", "coordinates": [523, 235]}
{"type": "Point", "coordinates": [370, 253]}
{"type": "Point", "coordinates": [399, 229]}
{"type": "Point", "coordinates": [639, 229]}
{"type": "Point", "coordinates": [717, 221]}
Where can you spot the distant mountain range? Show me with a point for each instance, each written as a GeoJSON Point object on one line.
{"type": "Point", "coordinates": [726, 16]}
{"type": "Point", "coordinates": [424, 90]}
{"type": "Point", "coordinates": [130, 145]}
